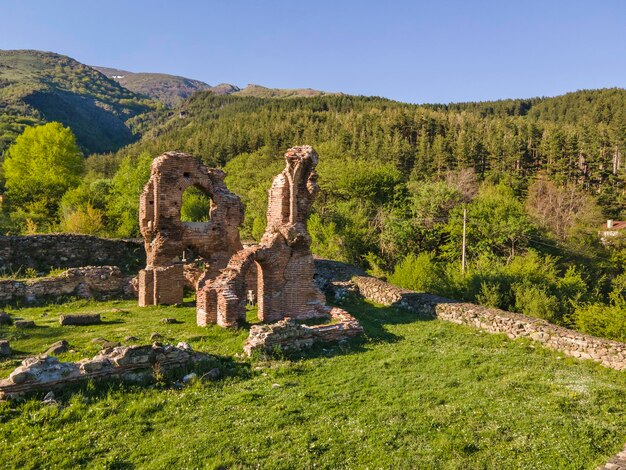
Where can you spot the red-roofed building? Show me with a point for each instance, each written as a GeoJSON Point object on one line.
{"type": "Point", "coordinates": [611, 229]}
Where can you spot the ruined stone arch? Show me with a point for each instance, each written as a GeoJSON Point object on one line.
{"type": "Point", "coordinates": [166, 237]}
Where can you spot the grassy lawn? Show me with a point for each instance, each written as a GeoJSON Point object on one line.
{"type": "Point", "coordinates": [412, 394]}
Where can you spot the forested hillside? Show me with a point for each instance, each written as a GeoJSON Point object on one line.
{"type": "Point", "coordinates": [578, 138]}
{"type": "Point", "coordinates": [535, 178]}
{"type": "Point", "coordinates": [38, 87]}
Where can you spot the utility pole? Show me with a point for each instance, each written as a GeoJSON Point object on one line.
{"type": "Point", "coordinates": [463, 249]}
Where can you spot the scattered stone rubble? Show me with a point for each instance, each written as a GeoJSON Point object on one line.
{"type": "Point", "coordinates": [5, 348]}
{"type": "Point", "coordinates": [5, 319]}
{"type": "Point", "coordinates": [129, 363]}
{"type": "Point", "coordinates": [290, 335]}
{"type": "Point", "coordinates": [23, 324]}
{"type": "Point", "coordinates": [57, 348]}
{"type": "Point", "coordinates": [89, 282]}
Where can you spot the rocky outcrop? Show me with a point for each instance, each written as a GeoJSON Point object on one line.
{"type": "Point", "coordinates": [130, 363]}
{"type": "Point", "coordinates": [289, 335]}
{"type": "Point", "coordinates": [51, 251]}
{"type": "Point", "coordinates": [89, 282]}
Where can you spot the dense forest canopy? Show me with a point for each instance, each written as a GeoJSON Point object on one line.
{"type": "Point", "coordinates": [534, 177]}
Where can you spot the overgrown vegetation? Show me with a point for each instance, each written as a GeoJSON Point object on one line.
{"type": "Point", "coordinates": [536, 178]}
{"type": "Point", "coordinates": [443, 395]}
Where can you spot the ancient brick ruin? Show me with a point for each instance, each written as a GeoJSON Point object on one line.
{"type": "Point", "coordinates": [283, 258]}
{"type": "Point", "coordinates": [168, 239]}
{"type": "Point", "coordinates": [278, 271]}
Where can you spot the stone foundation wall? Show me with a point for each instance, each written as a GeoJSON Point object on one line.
{"type": "Point", "coordinates": [89, 282]}
{"type": "Point", "coordinates": [46, 252]}
{"type": "Point", "coordinates": [129, 363]}
{"type": "Point", "coordinates": [515, 325]}
{"type": "Point", "coordinates": [289, 335]}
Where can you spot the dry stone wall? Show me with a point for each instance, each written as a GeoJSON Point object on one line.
{"type": "Point", "coordinates": [89, 282]}
{"type": "Point", "coordinates": [515, 325]}
{"type": "Point", "coordinates": [50, 251]}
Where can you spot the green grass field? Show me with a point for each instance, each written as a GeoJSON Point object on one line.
{"type": "Point", "coordinates": [411, 394]}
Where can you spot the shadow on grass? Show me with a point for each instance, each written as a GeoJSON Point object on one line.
{"type": "Point", "coordinates": [38, 332]}
{"type": "Point", "coordinates": [103, 322]}
{"type": "Point", "coordinates": [61, 301]}
{"type": "Point", "coordinates": [374, 319]}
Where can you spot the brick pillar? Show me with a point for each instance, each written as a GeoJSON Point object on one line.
{"type": "Point", "coordinates": [206, 306]}
{"type": "Point", "coordinates": [146, 287]}
{"type": "Point", "coordinates": [168, 285]}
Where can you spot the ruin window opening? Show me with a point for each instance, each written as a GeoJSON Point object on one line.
{"type": "Point", "coordinates": [196, 205]}
{"type": "Point", "coordinates": [254, 289]}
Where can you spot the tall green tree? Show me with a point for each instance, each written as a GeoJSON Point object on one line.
{"type": "Point", "coordinates": [42, 164]}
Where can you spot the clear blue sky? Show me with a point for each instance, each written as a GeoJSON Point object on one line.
{"type": "Point", "coordinates": [414, 51]}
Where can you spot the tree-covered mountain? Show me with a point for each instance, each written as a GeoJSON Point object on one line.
{"type": "Point", "coordinates": [38, 87]}
{"type": "Point", "coordinates": [535, 178]}
{"type": "Point", "coordinates": [598, 106]}
{"type": "Point", "coordinates": [579, 137]}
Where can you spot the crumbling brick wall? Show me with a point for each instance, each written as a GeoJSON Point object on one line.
{"type": "Point", "coordinates": [283, 259]}
{"type": "Point", "coordinates": [167, 237]}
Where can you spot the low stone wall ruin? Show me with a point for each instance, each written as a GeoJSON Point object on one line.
{"type": "Point", "coordinates": [50, 251]}
{"type": "Point", "coordinates": [89, 282]}
{"type": "Point", "coordinates": [129, 363]}
{"type": "Point", "coordinates": [515, 325]}
{"type": "Point", "coordinates": [289, 335]}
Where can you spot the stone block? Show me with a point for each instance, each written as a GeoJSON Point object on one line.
{"type": "Point", "coordinates": [5, 348]}
{"type": "Point", "coordinates": [80, 319]}
{"type": "Point", "coordinates": [58, 348]}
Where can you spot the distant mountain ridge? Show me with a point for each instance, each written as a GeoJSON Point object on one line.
{"type": "Point", "coordinates": [106, 108]}
{"type": "Point", "coordinates": [173, 89]}
{"type": "Point", "coordinates": [38, 87]}
{"type": "Point", "coordinates": [169, 89]}
{"type": "Point", "coordinates": [259, 91]}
